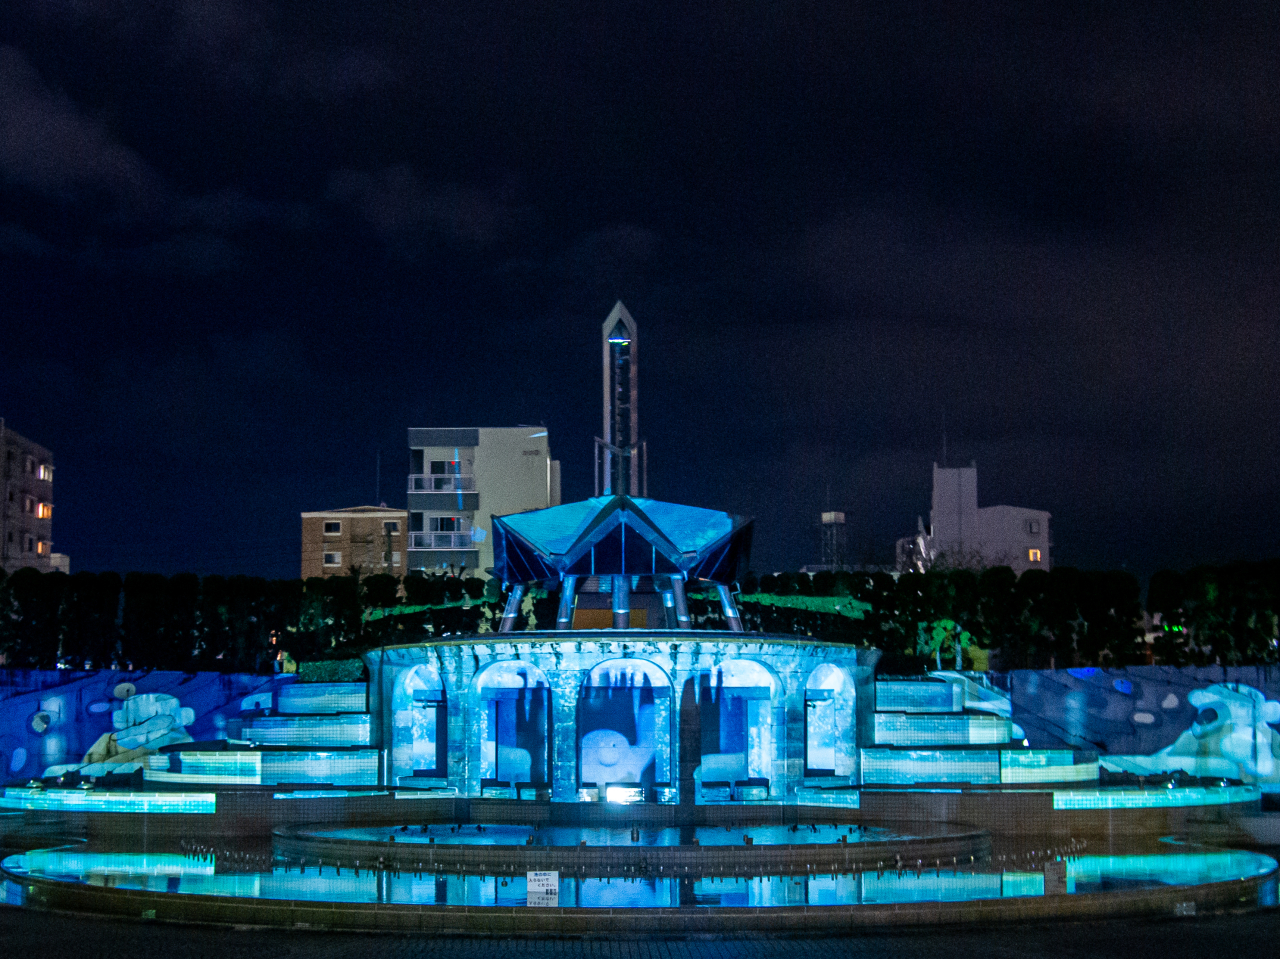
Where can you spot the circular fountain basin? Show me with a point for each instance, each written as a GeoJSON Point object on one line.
{"type": "Point", "coordinates": [189, 888]}
{"type": "Point", "coordinates": [732, 850]}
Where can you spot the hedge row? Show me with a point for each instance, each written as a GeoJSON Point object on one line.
{"type": "Point", "coordinates": [1224, 615]}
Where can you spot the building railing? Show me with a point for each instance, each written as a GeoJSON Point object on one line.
{"type": "Point", "coordinates": [441, 483]}
{"type": "Point", "coordinates": [440, 541]}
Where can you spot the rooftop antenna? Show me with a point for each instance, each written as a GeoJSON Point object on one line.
{"type": "Point", "coordinates": [944, 437]}
{"type": "Point", "coordinates": [377, 488]}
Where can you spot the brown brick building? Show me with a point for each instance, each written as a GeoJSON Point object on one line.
{"type": "Point", "coordinates": [369, 538]}
{"type": "Point", "coordinates": [26, 505]}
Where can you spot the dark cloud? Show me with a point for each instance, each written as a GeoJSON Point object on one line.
{"type": "Point", "coordinates": [402, 211]}
{"type": "Point", "coordinates": [295, 231]}
{"type": "Point", "coordinates": [48, 146]}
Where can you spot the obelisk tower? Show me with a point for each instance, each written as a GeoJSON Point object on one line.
{"type": "Point", "coordinates": [618, 450]}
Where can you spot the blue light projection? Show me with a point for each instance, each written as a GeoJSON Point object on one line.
{"type": "Point", "coordinates": [418, 725]}
{"type": "Point", "coordinates": [514, 745]}
{"type": "Point", "coordinates": [194, 876]}
{"type": "Point", "coordinates": [828, 722]}
{"type": "Point", "coordinates": [624, 724]}
{"type": "Point", "coordinates": [108, 721]}
{"type": "Point", "coordinates": [736, 702]}
{"type": "Point", "coordinates": [88, 800]}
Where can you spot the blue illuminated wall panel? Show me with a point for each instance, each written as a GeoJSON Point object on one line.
{"type": "Point", "coordinates": [78, 707]}
{"type": "Point", "coordinates": [1047, 766]}
{"type": "Point", "coordinates": [79, 800]}
{"type": "Point", "coordinates": [902, 767]}
{"type": "Point", "coordinates": [352, 730]}
{"type": "Point", "coordinates": [901, 729]}
{"type": "Point", "coordinates": [339, 767]}
{"type": "Point", "coordinates": [320, 698]}
{"type": "Point", "coordinates": [916, 696]}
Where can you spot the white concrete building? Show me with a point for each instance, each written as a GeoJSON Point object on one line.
{"type": "Point", "coordinates": [962, 535]}
{"type": "Point", "coordinates": [460, 478]}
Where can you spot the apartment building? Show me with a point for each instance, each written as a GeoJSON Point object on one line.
{"type": "Point", "coordinates": [26, 505]}
{"type": "Point", "coordinates": [460, 478]}
{"type": "Point", "coordinates": [370, 539]}
{"type": "Point", "coordinates": [962, 535]}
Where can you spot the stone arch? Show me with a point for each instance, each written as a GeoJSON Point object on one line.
{"type": "Point", "coordinates": [513, 723]}
{"type": "Point", "coordinates": [624, 725]}
{"type": "Point", "coordinates": [743, 727]}
{"type": "Point", "coordinates": [419, 727]}
{"type": "Point", "coordinates": [829, 700]}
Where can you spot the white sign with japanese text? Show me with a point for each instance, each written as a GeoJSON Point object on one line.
{"type": "Point", "coordinates": [544, 889]}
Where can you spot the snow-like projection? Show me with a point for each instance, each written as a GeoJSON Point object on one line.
{"type": "Point", "coordinates": [143, 723]}
{"type": "Point", "coordinates": [1231, 736]}
{"type": "Point", "coordinates": [418, 726]}
{"type": "Point", "coordinates": [624, 724]}
{"type": "Point", "coordinates": [736, 713]}
{"type": "Point", "coordinates": [828, 722]}
{"type": "Point", "coordinates": [515, 701]}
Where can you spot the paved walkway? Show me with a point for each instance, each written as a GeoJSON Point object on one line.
{"type": "Point", "coordinates": [24, 933]}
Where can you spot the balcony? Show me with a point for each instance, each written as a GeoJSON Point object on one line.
{"type": "Point", "coordinates": [441, 541]}
{"type": "Point", "coordinates": [441, 483]}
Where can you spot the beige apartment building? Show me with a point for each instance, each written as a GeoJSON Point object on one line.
{"type": "Point", "coordinates": [370, 539]}
{"type": "Point", "coordinates": [459, 479]}
{"type": "Point", "coordinates": [26, 505]}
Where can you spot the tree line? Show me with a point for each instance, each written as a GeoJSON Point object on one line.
{"type": "Point", "coordinates": [1226, 615]}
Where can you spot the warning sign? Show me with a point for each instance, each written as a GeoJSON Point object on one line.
{"type": "Point", "coordinates": [544, 889]}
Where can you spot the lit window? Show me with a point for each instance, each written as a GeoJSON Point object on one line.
{"type": "Point", "coordinates": [42, 548]}
{"type": "Point", "coordinates": [1033, 555]}
{"type": "Point", "coordinates": [392, 527]}
{"type": "Point", "coordinates": [44, 511]}
{"type": "Point", "coordinates": [1033, 526]}
{"type": "Point", "coordinates": [332, 527]}
{"type": "Point", "coordinates": [45, 472]}
{"type": "Point", "coordinates": [333, 559]}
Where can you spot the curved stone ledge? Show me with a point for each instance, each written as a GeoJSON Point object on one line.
{"type": "Point", "coordinates": [505, 922]}
{"type": "Point", "coordinates": [300, 846]}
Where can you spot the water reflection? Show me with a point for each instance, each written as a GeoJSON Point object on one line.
{"type": "Point", "coordinates": [508, 835]}
{"type": "Point", "coordinates": [184, 875]}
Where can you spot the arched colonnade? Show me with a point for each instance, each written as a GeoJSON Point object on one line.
{"type": "Point", "coordinates": [644, 716]}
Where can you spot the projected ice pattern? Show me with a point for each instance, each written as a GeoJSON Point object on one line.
{"type": "Point", "coordinates": [624, 722]}
{"type": "Point", "coordinates": [515, 697]}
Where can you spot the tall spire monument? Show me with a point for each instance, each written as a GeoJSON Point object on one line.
{"type": "Point", "coordinates": [621, 458]}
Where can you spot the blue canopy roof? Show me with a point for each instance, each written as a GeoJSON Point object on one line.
{"type": "Point", "coordinates": [613, 535]}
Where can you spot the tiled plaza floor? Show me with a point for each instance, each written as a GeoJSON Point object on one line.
{"type": "Point", "coordinates": [29, 934]}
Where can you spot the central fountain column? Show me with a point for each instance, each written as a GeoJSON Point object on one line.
{"type": "Point", "coordinates": [622, 601]}
{"type": "Point", "coordinates": [564, 616]}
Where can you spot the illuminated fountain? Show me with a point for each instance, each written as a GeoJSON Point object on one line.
{"type": "Point", "coordinates": [653, 767]}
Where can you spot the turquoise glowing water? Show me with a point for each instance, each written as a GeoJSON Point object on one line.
{"type": "Point", "coordinates": [184, 875]}
{"type": "Point", "coordinates": [495, 835]}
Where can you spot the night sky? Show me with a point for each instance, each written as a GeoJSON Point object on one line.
{"type": "Point", "coordinates": [244, 244]}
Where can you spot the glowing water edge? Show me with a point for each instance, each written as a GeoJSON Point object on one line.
{"type": "Point", "coordinates": [508, 835]}
{"type": "Point", "coordinates": [178, 874]}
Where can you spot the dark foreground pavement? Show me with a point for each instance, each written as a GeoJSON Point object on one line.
{"type": "Point", "coordinates": [31, 934]}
